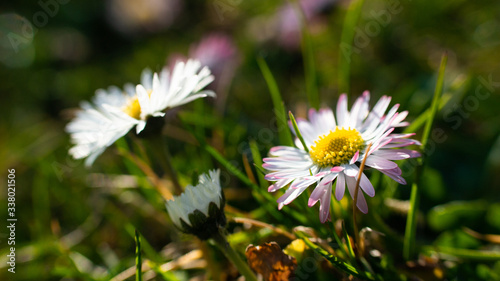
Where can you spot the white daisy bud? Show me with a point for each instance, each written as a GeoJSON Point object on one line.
{"type": "Point", "coordinates": [200, 209]}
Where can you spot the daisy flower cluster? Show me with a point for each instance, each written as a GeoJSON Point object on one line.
{"type": "Point", "coordinates": [114, 112]}
{"type": "Point", "coordinates": [335, 145]}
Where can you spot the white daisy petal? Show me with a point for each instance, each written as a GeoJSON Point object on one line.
{"type": "Point", "coordinates": [342, 113]}
{"type": "Point", "coordinates": [319, 191]}
{"type": "Point", "coordinates": [324, 207]}
{"type": "Point", "coordinates": [340, 187]}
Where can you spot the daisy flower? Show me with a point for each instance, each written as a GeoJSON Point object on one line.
{"type": "Point", "coordinates": [200, 209]}
{"type": "Point", "coordinates": [335, 146]}
{"type": "Point", "coordinates": [114, 112]}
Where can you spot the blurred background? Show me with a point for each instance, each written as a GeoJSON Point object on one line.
{"type": "Point", "coordinates": [77, 224]}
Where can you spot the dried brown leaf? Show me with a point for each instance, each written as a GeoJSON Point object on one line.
{"type": "Point", "coordinates": [270, 261]}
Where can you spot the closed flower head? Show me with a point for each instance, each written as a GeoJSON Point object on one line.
{"type": "Point", "coordinates": [200, 209]}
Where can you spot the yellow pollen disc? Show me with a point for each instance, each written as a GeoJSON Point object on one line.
{"type": "Point", "coordinates": [336, 147]}
{"type": "Point", "coordinates": [133, 108]}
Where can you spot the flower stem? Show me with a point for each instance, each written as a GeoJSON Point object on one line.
{"type": "Point", "coordinates": [165, 161]}
{"type": "Point", "coordinates": [355, 225]}
{"type": "Point", "coordinates": [232, 255]}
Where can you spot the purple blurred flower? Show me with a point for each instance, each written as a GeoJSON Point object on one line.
{"type": "Point", "coordinates": [288, 27]}
{"type": "Point", "coordinates": [217, 51]}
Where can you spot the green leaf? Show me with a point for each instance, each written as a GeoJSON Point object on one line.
{"type": "Point", "coordinates": [493, 215]}
{"type": "Point", "coordinates": [465, 254]}
{"type": "Point", "coordinates": [166, 275]}
{"type": "Point", "coordinates": [455, 214]}
{"type": "Point", "coordinates": [346, 40]}
{"type": "Point", "coordinates": [342, 265]}
{"type": "Point", "coordinates": [433, 184]}
{"type": "Point", "coordinates": [279, 108]}
{"type": "Point", "coordinates": [457, 239]}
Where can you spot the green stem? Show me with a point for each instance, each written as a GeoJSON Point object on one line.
{"type": "Point", "coordinates": [166, 162]}
{"type": "Point", "coordinates": [354, 204]}
{"type": "Point", "coordinates": [138, 259]}
{"type": "Point", "coordinates": [411, 221]}
{"type": "Point", "coordinates": [232, 255]}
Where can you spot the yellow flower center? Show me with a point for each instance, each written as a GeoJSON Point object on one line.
{"type": "Point", "coordinates": [336, 147]}
{"type": "Point", "coordinates": [133, 108]}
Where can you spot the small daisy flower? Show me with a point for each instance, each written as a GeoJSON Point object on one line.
{"type": "Point", "coordinates": [200, 209]}
{"type": "Point", "coordinates": [115, 112]}
{"type": "Point", "coordinates": [336, 145]}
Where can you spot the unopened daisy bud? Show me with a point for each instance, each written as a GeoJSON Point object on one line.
{"type": "Point", "coordinates": [200, 209]}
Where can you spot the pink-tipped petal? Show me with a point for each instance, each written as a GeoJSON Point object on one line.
{"type": "Point", "coordinates": [290, 195]}
{"type": "Point", "coordinates": [380, 163]}
{"type": "Point", "coordinates": [366, 185]}
{"type": "Point", "coordinates": [395, 174]}
{"type": "Point", "coordinates": [324, 207]}
{"type": "Point", "coordinates": [336, 169]}
{"type": "Point", "coordinates": [361, 203]}
{"type": "Point", "coordinates": [340, 187]}
{"type": "Point", "coordinates": [303, 183]}
{"type": "Point", "coordinates": [279, 184]}
{"type": "Point", "coordinates": [317, 193]}
{"type": "Point", "coordinates": [396, 154]}
{"type": "Point", "coordinates": [323, 185]}
{"type": "Point", "coordinates": [354, 158]}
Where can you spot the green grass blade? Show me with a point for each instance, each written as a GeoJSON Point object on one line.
{"type": "Point", "coordinates": [257, 160]}
{"type": "Point", "coordinates": [308, 58]}
{"type": "Point", "coordinates": [284, 133]}
{"type": "Point", "coordinates": [230, 167]}
{"type": "Point", "coordinates": [350, 249]}
{"type": "Point", "coordinates": [435, 101]}
{"type": "Point", "coordinates": [310, 69]}
{"type": "Point", "coordinates": [138, 259]}
{"type": "Point", "coordinates": [346, 44]}
{"type": "Point", "coordinates": [465, 254]}
{"type": "Point", "coordinates": [411, 221]}
{"type": "Point", "coordinates": [411, 224]}
{"type": "Point", "coordinates": [344, 266]}
{"type": "Point", "coordinates": [309, 66]}
{"type": "Point", "coordinates": [296, 128]}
